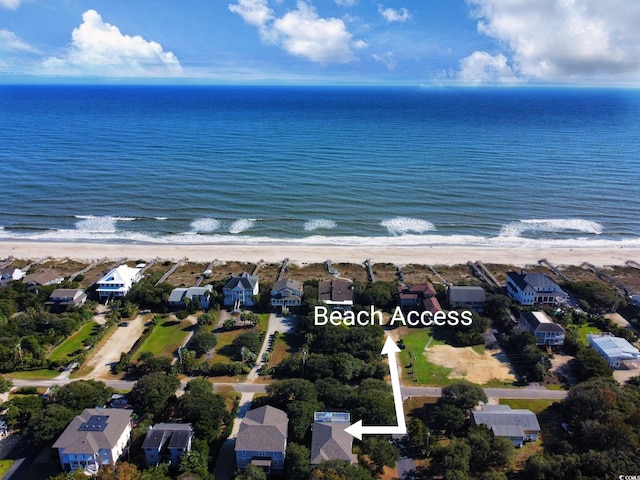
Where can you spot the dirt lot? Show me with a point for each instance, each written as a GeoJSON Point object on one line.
{"type": "Point", "coordinates": [470, 365]}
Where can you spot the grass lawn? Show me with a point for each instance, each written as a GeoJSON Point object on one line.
{"type": "Point", "coordinates": [426, 373]}
{"type": "Point", "coordinates": [224, 350]}
{"type": "Point", "coordinates": [5, 465]}
{"type": "Point", "coordinates": [285, 346]}
{"type": "Point", "coordinates": [263, 323]}
{"type": "Point", "coordinates": [536, 406]}
{"type": "Point", "coordinates": [73, 344]}
{"type": "Point", "coordinates": [584, 330]}
{"type": "Point", "coordinates": [35, 374]}
{"type": "Point", "coordinates": [166, 338]}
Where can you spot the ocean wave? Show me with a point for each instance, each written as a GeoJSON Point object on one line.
{"type": "Point", "coordinates": [99, 224]}
{"type": "Point", "coordinates": [241, 225]}
{"type": "Point", "coordinates": [205, 225]}
{"type": "Point", "coordinates": [402, 225]}
{"type": "Point", "coordinates": [318, 224]}
{"type": "Point", "coordinates": [161, 218]}
{"type": "Point", "coordinates": [193, 238]}
{"type": "Point", "coordinates": [554, 225]}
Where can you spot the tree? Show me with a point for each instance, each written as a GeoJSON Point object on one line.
{"type": "Point", "coordinates": [83, 394]}
{"type": "Point", "coordinates": [589, 363]}
{"type": "Point", "coordinates": [250, 340]}
{"type": "Point", "coordinates": [150, 394]}
{"type": "Point", "coordinates": [5, 385]}
{"type": "Point", "coordinates": [463, 394]}
{"type": "Point", "coordinates": [455, 457]}
{"type": "Point", "coordinates": [301, 417]}
{"type": "Point", "coordinates": [203, 409]}
{"type": "Point", "coordinates": [202, 342]}
{"type": "Point", "coordinates": [119, 471]}
{"type": "Point", "coordinates": [297, 465]}
{"type": "Point", "coordinates": [339, 470]}
{"type": "Point", "coordinates": [194, 462]}
{"type": "Point", "coordinates": [381, 452]}
{"type": "Point", "coordinates": [448, 417]}
{"type": "Point", "coordinates": [251, 472]}
{"type": "Point", "coordinates": [418, 435]}
{"type": "Point", "coordinates": [161, 472]}
{"type": "Point", "coordinates": [47, 425]}
{"type": "Point", "coordinates": [280, 394]}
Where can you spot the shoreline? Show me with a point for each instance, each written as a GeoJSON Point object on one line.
{"type": "Point", "coordinates": [302, 254]}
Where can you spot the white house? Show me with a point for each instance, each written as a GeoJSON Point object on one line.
{"type": "Point", "coordinates": [618, 352]}
{"type": "Point", "coordinates": [94, 438]}
{"type": "Point", "coordinates": [240, 290]}
{"type": "Point", "coordinates": [118, 282]}
{"type": "Point", "coordinates": [10, 274]}
{"type": "Point", "coordinates": [517, 425]}
{"type": "Point", "coordinates": [534, 289]}
{"type": "Point", "coordinates": [202, 295]}
{"type": "Point", "coordinates": [541, 326]}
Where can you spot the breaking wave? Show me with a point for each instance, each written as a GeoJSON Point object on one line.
{"type": "Point", "coordinates": [402, 225]}
{"type": "Point", "coordinates": [241, 225]}
{"type": "Point", "coordinates": [93, 223]}
{"type": "Point", "coordinates": [557, 225]}
{"type": "Point", "coordinates": [205, 225]}
{"type": "Point", "coordinates": [319, 224]}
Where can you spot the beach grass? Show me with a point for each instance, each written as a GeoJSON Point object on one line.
{"type": "Point", "coordinates": [75, 343]}
{"type": "Point", "coordinates": [425, 372]}
{"type": "Point", "coordinates": [166, 338]}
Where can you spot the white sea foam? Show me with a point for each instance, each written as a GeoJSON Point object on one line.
{"type": "Point", "coordinates": [100, 224]}
{"type": "Point", "coordinates": [402, 225]}
{"type": "Point", "coordinates": [318, 224]}
{"type": "Point", "coordinates": [205, 225]}
{"type": "Point", "coordinates": [516, 229]}
{"type": "Point", "coordinates": [160, 218]}
{"type": "Point", "coordinates": [241, 225]}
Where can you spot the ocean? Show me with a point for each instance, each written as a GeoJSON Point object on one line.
{"type": "Point", "coordinates": [539, 167]}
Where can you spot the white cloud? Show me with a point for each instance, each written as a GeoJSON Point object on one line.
{"type": "Point", "coordinates": [565, 39]}
{"type": "Point", "coordinates": [10, 42]}
{"type": "Point", "coordinates": [346, 3]}
{"type": "Point", "coordinates": [301, 32]}
{"type": "Point", "coordinates": [392, 15]}
{"type": "Point", "coordinates": [10, 4]}
{"type": "Point", "coordinates": [386, 59]}
{"type": "Point", "coordinates": [100, 48]}
{"type": "Point", "coordinates": [482, 68]}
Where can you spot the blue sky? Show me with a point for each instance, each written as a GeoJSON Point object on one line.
{"type": "Point", "coordinates": [425, 42]}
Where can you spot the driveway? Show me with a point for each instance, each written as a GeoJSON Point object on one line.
{"type": "Point", "coordinates": [226, 465]}
{"type": "Point", "coordinates": [277, 323]}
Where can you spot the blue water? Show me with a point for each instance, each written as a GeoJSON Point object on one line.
{"type": "Point", "coordinates": [555, 167]}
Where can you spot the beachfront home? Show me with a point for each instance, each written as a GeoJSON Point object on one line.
{"type": "Point", "coordinates": [414, 295]}
{"type": "Point", "coordinates": [287, 293]}
{"type": "Point", "coordinates": [262, 439]}
{"type": "Point", "coordinates": [166, 443]}
{"type": "Point", "coordinates": [240, 290]}
{"type": "Point", "coordinates": [329, 441]}
{"type": "Point", "coordinates": [94, 438]}
{"type": "Point", "coordinates": [534, 289]}
{"type": "Point", "coordinates": [466, 297]}
{"type": "Point", "coordinates": [337, 293]}
{"type": "Point", "coordinates": [118, 282]}
{"type": "Point", "coordinates": [43, 277]}
{"type": "Point", "coordinates": [541, 326]}
{"type": "Point", "coordinates": [518, 425]}
{"type": "Point", "coordinates": [65, 298]}
{"type": "Point", "coordinates": [618, 352]}
{"type": "Point", "coordinates": [10, 274]}
{"type": "Point", "coordinates": [179, 297]}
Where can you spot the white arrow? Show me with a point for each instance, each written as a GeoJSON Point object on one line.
{"type": "Point", "coordinates": [357, 429]}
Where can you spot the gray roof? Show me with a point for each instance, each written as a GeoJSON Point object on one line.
{"type": "Point", "coordinates": [614, 347]}
{"type": "Point", "coordinates": [466, 294]}
{"type": "Point", "coordinates": [541, 322]}
{"type": "Point", "coordinates": [263, 429]}
{"type": "Point", "coordinates": [248, 282]}
{"type": "Point", "coordinates": [535, 280]}
{"type": "Point", "coordinates": [66, 296]}
{"type": "Point", "coordinates": [505, 422]}
{"type": "Point", "coordinates": [179, 294]}
{"type": "Point", "coordinates": [177, 434]}
{"type": "Point", "coordinates": [287, 283]}
{"type": "Point", "coordinates": [84, 435]}
{"type": "Point", "coordinates": [44, 276]}
{"type": "Point", "coordinates": [335, 290]}
{"type": "Point", "coordinates": [329, 441]}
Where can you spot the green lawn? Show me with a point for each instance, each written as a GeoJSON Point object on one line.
{"type": "Point", "coordinates": [584, 330]}
{"type": "Point", "coordinates": [536, 406]}
{"type": "Point", "coordinates": [35, 374]}
{"type": "Point", "coordinates": [426, 373]}
{"type": "Point", "coordinates": [166, 338]}
{"type": "Point", "coordinates": [224, 350]}
{"type": "Point", "coordinates": [72, 344]}
{"type": "Point", "coordinates": [5, 465]}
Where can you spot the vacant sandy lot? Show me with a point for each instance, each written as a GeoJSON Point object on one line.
{"type": "Point", "coordinates": [470, 365]}
{"type": "Point", "coordinates": [120, 341]}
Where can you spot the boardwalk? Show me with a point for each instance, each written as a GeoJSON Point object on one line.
{"type": "Point", "coordinates": [179, 263]}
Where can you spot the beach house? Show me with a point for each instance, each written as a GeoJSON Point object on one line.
{"type": "Point", "coordinates": [166, 443]}
{"type": "Point", "coordinates": [240, 290]}
{"type": "Point", "coordinates": [534, 289]}
{"type": "Point", "coordinates": [43, 277]}
{"type": "Point", "coordinates": [329, 441]}
{"type": "Point", "coordinates": [413, 296]}
{"type": "Point", "coordinates": [262, 439]}
{"type": "Point", "coordinates": [518, 425]}
{"type": "Point", "coordinates": [286, 293]}
{"type": "Point", "coordinates": [466, 297]}
{"type": "Point", "coordinates": [179, 297]}
{"type": "Point", "coordinates": [65, 298]}
{"type": "Point", "coordinates": [118, 282]}
{"type": "Point", "coordinates": [9, 274]}
{"type": "Point", "coordinates": [337, 293]}
{"type": "Point", "coordinates": [541, 326]}
{"type": "Point", "coordinates": [95, 438]}
{"type": "Point", "coordinates": [617, 351]}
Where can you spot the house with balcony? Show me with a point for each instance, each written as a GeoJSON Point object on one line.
{"type": "Point", "coordinates": [166, 443]}
{"type": "Point", "coordinates": [118, 282]}
{"type": "Point", "coordinates": [336, 293]}
{"type": "Point", "coordinates": [65, 298]}
{"type": "Point", "coordinates": [466, 297]}
{"type": "Point", "coordinates": [534, 289]}
{"type": "Point", "coordinates": [262, 440]}
{"type": "Point", "coordinates": [240, 290]}
{"type": "Point", "coordinates": [541, 326]}
{"type": "Point", "coordinates": [287, 293]}
{"type": "Point", "coordinates": [179, 297]}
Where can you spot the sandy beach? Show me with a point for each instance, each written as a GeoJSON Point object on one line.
{"type": "Point", "coordinates": [301, 254]}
